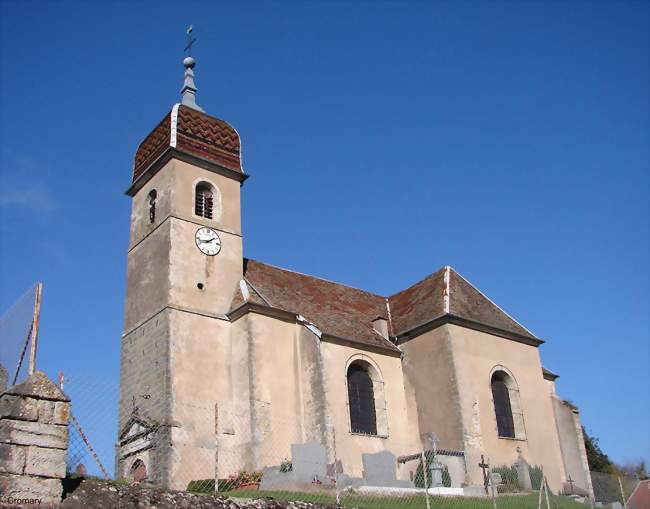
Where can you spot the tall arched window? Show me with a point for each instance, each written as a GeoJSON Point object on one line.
{"type": "Point", "coordinates": [361, 398]}
{"type": "Point", "coordinates": [502, 406]}
{"type": "Point", "coordinates": [204, 200]}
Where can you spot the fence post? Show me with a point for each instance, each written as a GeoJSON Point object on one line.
{"type": "Point", "coordinates": [336, 469]}
{"type": "Point", "coordinates": [35, 321]}
{"type": "Point", "coordinates": [426, 478]}
{"type": "Point", "coordinates": [491, 480]}
{"type": "Point", "coordinates": [216, 447]}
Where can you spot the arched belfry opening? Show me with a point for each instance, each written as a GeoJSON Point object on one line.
{"type": "Point", "coordinates": [151, 198]}
{"type": "Point", "coordinates": [204, 200]}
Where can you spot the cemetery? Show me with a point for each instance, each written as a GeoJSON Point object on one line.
{"type": "Point", "coordinates": [308, 477]}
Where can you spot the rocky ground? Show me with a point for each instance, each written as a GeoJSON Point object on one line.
{"type": "Point", "coordinates": [106, 495]}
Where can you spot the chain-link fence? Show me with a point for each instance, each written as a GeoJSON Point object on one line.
{"type": "Point", "coordinates": [614, 490]}
{"type": "Point", "coordinates": [16, 330]}
{"type": "Point", "coordinates": [203, 450]}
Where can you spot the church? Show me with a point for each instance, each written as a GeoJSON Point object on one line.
{"type": "Point", "coordinates": [227, 361]}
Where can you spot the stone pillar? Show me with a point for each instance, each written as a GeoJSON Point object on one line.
{"type": "Point", "coordinates": [33, 439]}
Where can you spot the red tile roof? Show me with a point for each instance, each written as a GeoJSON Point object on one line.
{"type": "Point", "coordinates": [640, 498]}
{"type": "Point", "coordinates": [345, 312]}
{"type": "Point", "coordinates": [196, 134]}
{"type": "Point", "coordinates": [418, 304]}
{"type": "Point", "coordinates": [336, 309]}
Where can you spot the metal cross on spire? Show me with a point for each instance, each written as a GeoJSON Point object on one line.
{"type": "Point", "coordinates": [188, 92]}
{"type": "Point", "coordinates": [190, 41]}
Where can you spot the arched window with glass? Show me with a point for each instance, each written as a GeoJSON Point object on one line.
{"type": "Point", "coordinates": [507, 405]}
{"type": "Point", "coordinates": [361, 398]}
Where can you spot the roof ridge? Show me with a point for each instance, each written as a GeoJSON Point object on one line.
{"type": "Point", "coordinates": [320, 278]}
{"type": "Point", "coordinates": [259, 294]}
{"type": "Point", "coordinates": [492, 302]}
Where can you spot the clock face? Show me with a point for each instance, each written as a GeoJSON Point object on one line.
{"type": "Point", "coordinates": [208, 241]}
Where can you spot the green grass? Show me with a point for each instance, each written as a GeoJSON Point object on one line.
{"type": "Point", "coordinates": [368, 501]}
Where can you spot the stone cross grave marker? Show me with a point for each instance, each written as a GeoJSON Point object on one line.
{"type": "Point", "coordinates": [485, 468]}
{"type": "Point", "coordinates": [570, 482]}
{"type": "Point", "coordinates": [523, 472]}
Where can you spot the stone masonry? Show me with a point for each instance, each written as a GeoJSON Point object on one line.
{"type": "Point", "coordinates": [33, 440]}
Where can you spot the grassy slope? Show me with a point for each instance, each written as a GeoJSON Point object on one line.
{"type": "Point", "coordinates": [415, 502]}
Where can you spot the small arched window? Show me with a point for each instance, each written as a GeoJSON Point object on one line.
{"type": "Point", "coordinates": [152, 205]}
{"type": "Point", "coordinates": [361, 398]}
{"type": "Point", "coordinates": [204, 200]}
{"type": "Point", "coordinates": [502, 405]}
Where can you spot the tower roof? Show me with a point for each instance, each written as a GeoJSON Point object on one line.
{"type": "Point", "coordinates": [190, 134]}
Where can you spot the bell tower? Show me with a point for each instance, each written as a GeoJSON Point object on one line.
{"type": "Point", "coordinates": [185, 262]}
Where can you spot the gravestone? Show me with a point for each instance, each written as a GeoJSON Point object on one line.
{"type": "Point", "coordinates": [435, 472]}
{"type": "Point", "coordinates": [523, 472]}
{"type": "Point", "coordinates": [309, 462]}
{"type": "Point", "coordinates": [379, 469]}
{"type": "Point", "coordinates": [496, 479]}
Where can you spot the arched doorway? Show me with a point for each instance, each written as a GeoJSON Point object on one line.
{"type": "Point", "coordinates": [138, 471]}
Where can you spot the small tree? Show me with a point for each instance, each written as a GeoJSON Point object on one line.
{"type": "Point", "coordinates": [597, 459]}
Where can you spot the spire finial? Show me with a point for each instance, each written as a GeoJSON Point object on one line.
{"type": "Point", "coordinates": [188, 92]}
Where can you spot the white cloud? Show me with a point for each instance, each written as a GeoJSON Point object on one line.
{"type": "Point", "coordinates": [21, 185]}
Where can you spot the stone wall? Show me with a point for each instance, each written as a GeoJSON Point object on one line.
{"type": "Point", "coordinates": [33, 440]}
{"type": "Point", "coordinates": [572, 445]}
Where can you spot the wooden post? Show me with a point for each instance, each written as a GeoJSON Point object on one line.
{"type": "Point", "coordinates": [491, 480]}
{"type": "Point", "coordinates": [35, 321]}
{"type": "Point", "coordinates": [90, 447]}
{"type": "Point", "coordinates": [620, 485]}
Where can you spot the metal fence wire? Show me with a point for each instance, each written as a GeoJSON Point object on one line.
{"type": "Point", "coordinates": [200, 453]}
{"type": "Point", "coordinates": [16, 325]}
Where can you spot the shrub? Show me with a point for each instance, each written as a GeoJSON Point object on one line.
{"type": "Point", "coordinates": [202, 485]}
{"type": "Point", "coordinates": [509, 479]}
{"type": "Point", "coordinates": [286, 466]}
{"type": "Point", "coordinates": [536, 477]}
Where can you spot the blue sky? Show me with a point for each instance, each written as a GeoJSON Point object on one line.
{"type": "Point", "coordinates": [384, 140]}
